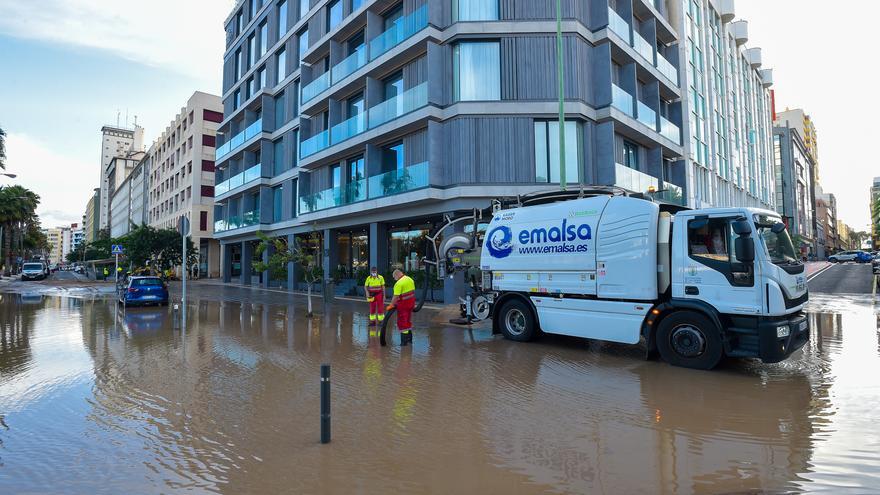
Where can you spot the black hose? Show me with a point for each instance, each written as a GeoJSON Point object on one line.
{"type": "Point", "coordinates": [418, 307]}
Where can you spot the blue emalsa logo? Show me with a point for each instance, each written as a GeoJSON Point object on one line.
{"type": "Point", "coordinates": [555, 240]}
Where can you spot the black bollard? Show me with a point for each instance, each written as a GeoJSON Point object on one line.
{"type": "Point", "coordinates": [325, 403]}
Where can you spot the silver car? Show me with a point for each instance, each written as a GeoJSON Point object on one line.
{"type": "Point", "coordinates": [33, 271]}
{"type": "Point", "coordinates": [844, 256]}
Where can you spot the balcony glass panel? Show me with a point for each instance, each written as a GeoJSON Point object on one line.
{"type": "Point", "coordinates": [253, 129]}
{"type": "Point", "coordinates": [351, 127]}
{"type": "Point", "coordinates": [643, 47]}
{"type": "Point", "coordinates": [335, 196]}
{"type": "Point", "coordinates": [223, 150]}
{"type": "Point", "coordinates": [399, 181]}
{"type": "Point", "coordinates": [667, 69]}
{"type": "Point", "coordinates": [316, 87]}
{"type": "Point", "coordinates": [221, 188]}
{"type": "Point", "coordinates": [670, 131]}
{"type": "Point", "coordinates": [239, 139]}
{"type": "Point", "coordinates": [402, 104]}
{"type": "Point", "coordinates": [634, 180]}
{"type": "Point", "coordinates": [236, 222]}
{"type": "Point", "coordinates": [621, 100]}
{"type": "Point", "coordinates": [252, 173]}
{"type": "Point", "coordinates": [618, 26]}
{"type": "Point", "coordinates": [671, 193]}
{"type": "Point", "coordinates": [646, 115]}
{"type": "Point", "coordinates": [350, 64]}
{"type": "Point", "coordinates": [402, 29]}
{"type": "Point", "coordinates": [314, 144]}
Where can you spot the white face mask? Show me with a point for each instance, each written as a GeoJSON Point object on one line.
{"type": "Point", "coordinates": [373, 273]}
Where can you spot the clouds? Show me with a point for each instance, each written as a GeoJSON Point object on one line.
{"type": "Point", "coordinates": [184, 36]}
{"type": "Point", "coordinates": [63, 182]}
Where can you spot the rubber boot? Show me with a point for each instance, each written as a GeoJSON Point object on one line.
{"type": "Point", "coordinates": [405, 338]}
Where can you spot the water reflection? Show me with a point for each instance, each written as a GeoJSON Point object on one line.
{"type": "Point", "coordinates": [112, 400]}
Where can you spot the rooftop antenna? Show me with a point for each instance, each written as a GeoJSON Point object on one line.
{"type": "Point", "coordinates": [126, 117]}
{"type": "Point", "coordinates": [135, 120]}
{"type": "Point", "coordinates": [117, 117]}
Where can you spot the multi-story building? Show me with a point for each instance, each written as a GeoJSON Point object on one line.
{"type": "Point", "coordinates": [875, 213]}
{"type": "Point", "coordinates": [367, 120]}
{"type": "Point", "coordinates": [91, 218]}
{"type": "Point", "coordinates": [181, 176]}
{"type": "Point", "coordinates": [826, 214]}
{"type": "Point", "coordinates": [801, 122]}
{"type": "Point", "coordinates": [118, 170]}
{"type": "Point", "coordinates": [727, 108]}
{"type": "Point", "coordinates": [77, 236]}
{"type": "Point", "coordinates": [55, 238]}
{"type": "Point", "coordinates": [128, 205]}
{"type": "Point", "coordinates": [793, 167]}
{"type": "Point", "coordinates": [116, 141]}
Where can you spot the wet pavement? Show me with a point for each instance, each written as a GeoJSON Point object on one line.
{"type": "Point", "coordinates": [97, 400]}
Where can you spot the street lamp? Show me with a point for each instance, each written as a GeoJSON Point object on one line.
{"type": "Point", "coordinates": [11, 176]}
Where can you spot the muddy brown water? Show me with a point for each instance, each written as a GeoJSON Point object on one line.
{"type": "Point", "coordinates": [95, 400]}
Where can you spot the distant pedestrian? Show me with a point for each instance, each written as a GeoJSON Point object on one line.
{"type": "Point", "coordinates": [374, 289]}
{"type": "Point", "coordinates": [405, 301]}
{"type": "Point", "coordinates": [106, 273]}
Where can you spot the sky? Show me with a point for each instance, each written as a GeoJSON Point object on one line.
{"type": "Point", "coordinates": [69, 67]}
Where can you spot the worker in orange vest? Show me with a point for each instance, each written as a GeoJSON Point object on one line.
{"type": "Point", "coordinates": [405, 301]}
{"type": "Point", "coordinates": [374, 288]}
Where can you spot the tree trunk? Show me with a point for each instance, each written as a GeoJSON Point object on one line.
{"type": "Point", "coordinates": [7, 234]}
{"type": "Point", "coordinates": [309, 299]}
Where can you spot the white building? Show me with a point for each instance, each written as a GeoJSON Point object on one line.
{"type": "Point", "coordinates": [116, 141]}
{"type": "Point", "coordinates": [128, 204]}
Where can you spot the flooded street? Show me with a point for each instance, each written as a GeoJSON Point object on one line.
{"type": "Point", "coordinates": [95, 400]}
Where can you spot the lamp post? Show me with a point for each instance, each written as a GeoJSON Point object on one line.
{"type": "Point", "coordinates": [559, 75]}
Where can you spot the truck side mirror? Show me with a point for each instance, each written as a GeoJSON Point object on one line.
{"type": "Point", "coordinates": [745, 249]}
{"type": "Point", "coordinates": [741, 227]}
{"type": "Point", "coordinates": [777, 228]}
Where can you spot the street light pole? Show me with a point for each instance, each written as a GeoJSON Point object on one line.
{"type": "Point", "coordinates": [559, 75]}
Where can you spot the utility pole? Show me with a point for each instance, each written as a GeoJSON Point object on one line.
{"type": "Point", "coordinates": [559, 75]}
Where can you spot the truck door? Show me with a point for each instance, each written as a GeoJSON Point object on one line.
{"type": "Point", "coordinates": [710, 271]}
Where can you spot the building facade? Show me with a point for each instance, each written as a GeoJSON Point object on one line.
{"type": "Point", "coordinates": [77, 236]}
{"type": "Point", "coordinates": [875, 213]}
{"type": "Point", "coordinates": [91, 218]}
{"type": "Point", "coordinates": [116, 141]}
{"type": "Point", "coordinates": [55, 238]}
{"type": "Point", "coordinates": [128, 205]}
{"type": "Point", "coordinates": [794, 188]}
{"type": "Point", "coordinates": [181, 176]}
{"type": "Point", "coordinates": [363, 121]}
{"type": "Point", "coordinates": [826, 214]}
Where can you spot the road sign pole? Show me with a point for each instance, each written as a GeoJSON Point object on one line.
{"type": "Point", "coordinates": [116, 271]}
{"type": "Point", "coordinates": [183, 279]}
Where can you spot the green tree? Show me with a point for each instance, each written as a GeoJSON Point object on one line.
{"type": "Point", "coordinates": [2, 149]}
{"type": "Point", "coordinates": [306, 254]}
{"type": "Point", "coordinates": [18, 217]}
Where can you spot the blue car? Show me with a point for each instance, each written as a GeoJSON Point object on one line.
{"type": "Point", "coordinates": [144, 290]}
{"type": "Point", "coordinates": [863, 257]}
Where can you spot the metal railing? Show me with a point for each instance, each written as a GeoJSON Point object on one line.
{"type": "Point", "coordinates": [643, 48]}
{"type": "Point", "coordinates": [634, 180]}
{"type": "Point", "coordinates": [667, 69]}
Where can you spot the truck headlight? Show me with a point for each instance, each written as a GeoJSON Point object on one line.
{"type": "Point", "coordinates": [782, 331]}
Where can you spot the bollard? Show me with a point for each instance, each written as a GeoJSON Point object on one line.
{"type": "Point", "coordinates": [325, 403]}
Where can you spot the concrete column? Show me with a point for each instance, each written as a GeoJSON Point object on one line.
{"type": "Point", "coordinates": [374, 92]}
{"type": "Point", "coordinates": [602, 67]}
{"type": "Point", "coordinates": [330, 254]}
{"type": "Point", "coordinates": [267, 253]}
{"type": "Point", "coordinates": [226, 263]}
{"type": "Point", "coordinates": [605, 154]}
{"type": "Point", "coordinates": [454, 286]}
{"type": "Point", "coordinates": [436, 75]}
{"type": "Point", "coordinates": [654, 165]}
{"type": "Point", "coordinates": [247, 256]}
{"type": "Point", "coordinates": [378, 240]}
{"type": "Point", "coordinates": [375, 25]}
{"type": "Point", "coordinates": [265, 204]}
{"type": "Point", "coordinates": [629, 82]}
{"type": "Point", "coordinates": [291, 267]}
{"type": "Point", "coordinates": [436, 155]}
{"type": "Point", "coordinates": [651, 98]}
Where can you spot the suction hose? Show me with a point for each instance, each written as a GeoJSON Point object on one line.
{"type": "Point", "coordinates": [418, 307]}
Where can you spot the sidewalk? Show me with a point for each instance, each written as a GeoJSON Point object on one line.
{"type": "Point", "coordinates": [813, 267]}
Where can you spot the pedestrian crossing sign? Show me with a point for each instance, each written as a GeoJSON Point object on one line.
{"type": "Point", "coordinates": [116, 249]}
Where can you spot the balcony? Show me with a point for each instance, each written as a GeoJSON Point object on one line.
{"type": "Point", "coordinates": [667, 69]}
{"type": "Point", "coordinates": [387, 184]}
{"type": "Point", "coordinates": [403, 29]}
{"type": "Point", "coordinates": [249, 219]}
{"type": "Point", "coordinates": [239, 139]}
{"type": "Point", "coordinates": [350, 128]}
{"type": "Point", "coordinates": [646, 115]}
{"type": "Point", "coordinates": [238, 180]}
{"type": "Point", "coordinates": [316, 87]}
{"type": "Point", "coordinates": [645, 49]}
{"type": "Point", "coordinates": [670, 131]}
{"type": "Point", "coordinates": [618, 26]}
{"type": "Point", "coordinates": [670, 193]}
{"type": "Point", "coordinates": [350, 64]}
{"type": "Point", "coordinates": [633, 180]}
{"type": "Point", "coordinates": [314, 144]}
{"type": "Point", "coordinates": [621, 100]}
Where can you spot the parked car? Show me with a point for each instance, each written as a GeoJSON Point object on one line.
{"type": "Point", "coordinates": [864, 257]}
{"type": "Point", "coordinates": [844, 256]}
{"type": "Point", "coordinates": [144, 290]}
{"type": "Point", "coordinates": [875, 264]}
{"type": "Point", "coordinates": [33, 271]}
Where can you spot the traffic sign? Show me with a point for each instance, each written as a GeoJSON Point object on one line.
{"type": "Point", "coordinates": [116, 249]}
{"type": "Point", "coordinates": [183, 226]}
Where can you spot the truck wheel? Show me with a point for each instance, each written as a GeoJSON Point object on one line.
{"type": "Point", "coordinates": [517, 322]}
{"type": "Point", "coordinates": [690, 340]}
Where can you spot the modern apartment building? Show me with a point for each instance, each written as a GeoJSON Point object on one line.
{"type": "Point", "coordinates": [875, 213]}
{"type": "Point", "coordinates": [793, 171]}
{"type": "Point", "coordinates": [91, 218]}
{"type": "Point", "coordinates": [55, 238]}
{"type": "Point", "coordinates": [826, 214]}
{"type": "Point", "coordinates": [116, 141]}
{"type": "Point", "coordinates": [128, 204]}
{"type": "Point", "coordinates": [77, 236]}
{"type": "Point", "coordinates": [365, 121]}
{"type": "Point", "coordinates": [181, 175]}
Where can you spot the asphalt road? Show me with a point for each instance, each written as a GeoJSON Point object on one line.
{"type": "Point", "coordinates": [845, 278]}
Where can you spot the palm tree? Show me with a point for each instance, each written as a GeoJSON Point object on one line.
{"type": "Point", "coordinates": [18, 215]}
{"type": "Point", "coordinates": [2, 149]}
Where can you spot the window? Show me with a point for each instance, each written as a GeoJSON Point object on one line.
{"type": "Point", "coordinates": [303, 8]}
{"type": "Point", "coordinates": [303, 42]}
{"type": "Point", "coordinates": [354, 105]}
{"type": "Point", "coordinates": [236, 99]}
{"type": "Point", "coordinates": [264, 38]}
{"type": "Point", "coordinates": [282, 18]}
{"type": "Point", "coordinates": [392, 157]}
{"type": "Point", "coordinates": [294, 187]}
{"type": "Point", "coordinates": [334, 14]}
{"type": "Point", "coordinates": [547, 151]}
{"type": "Point", "coordinates": [392, 16]}
{"type": "Point", "coordinates": [335, 176]}
{"type": "Point", "coordinates": [238, 68]}
{"type": "Point", "coordinates": [261, 78]}
{"type": "Point", "coordinates": [203, 221]}
{"type": "Point", "coordinates": [239, 22]}
{"type": "Point", "coordinates": [280, 117]}
{"type": "Point", "coordinates": [252, 50]}
{"type": "Point", "coordinates": [251, 89]}
{"type": "Point", "coordinates": [393, 86]}
{"type": "Point", "coordinates": [630, 155]}
{"type": "Point", "coordinates": [477, 71]}
{"type": "Point", "coordinates": [278, 157]}
{"type": "Point", "coordinates": [356, 4]}
{"type": "Point", "coordinates": [711, 243]}
{"type": "Point", "coordinates": [281, 64]}
{"type": "Point", "coordinates": [277, 203]}
{"type": "Point", "coordinates": [474, 10]}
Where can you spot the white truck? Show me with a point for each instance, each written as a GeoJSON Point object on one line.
{"type": "Point", "coordinates": [694, 285]}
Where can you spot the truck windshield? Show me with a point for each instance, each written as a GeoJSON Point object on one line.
{"type": "Point", "coordinates": [32, 266]}
{"type": "Point", "coordinates": [776, 241]}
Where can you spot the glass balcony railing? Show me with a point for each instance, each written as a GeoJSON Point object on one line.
{"type": "Point", "coordinates": [402, 29]}
{"type": "Point", "coordinates": [399, 181]}
{"type": "Point", "coordinates": [350, 128]}
{"type": "Point", "coordinates": [670, 131]}
{"type": "Point", "coordinates": [352, 192]}
{"type": "Point", "coordinates": [350, 64]}
{"type": "Point", "coordinates": [667, 69]}
{"type": "Point", "coordinates": [249, 219]}
{"type": "Point", "coordinates": [316, 87]}
{"type": "Point", "coordinates": [239, 139]}
{"type": "Point", "coordinates": [238, 180]}
{"type": "Point", "coordinates": [634, 180]}
{"type": "Point", "coordinates": [643, 48]}
{"type": "Point", "coordinates": [621, 100]}
{"type": "Point", "coordinates": [618, 26]}
{"type": "Point", "coordinates": [402, 104]}
{"type": "Point", "coordinates": [314, 144]}
{"type": "Point", "coordinates": [646, 115]}
{"type": "Point", "coordinates": [670, 193]}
